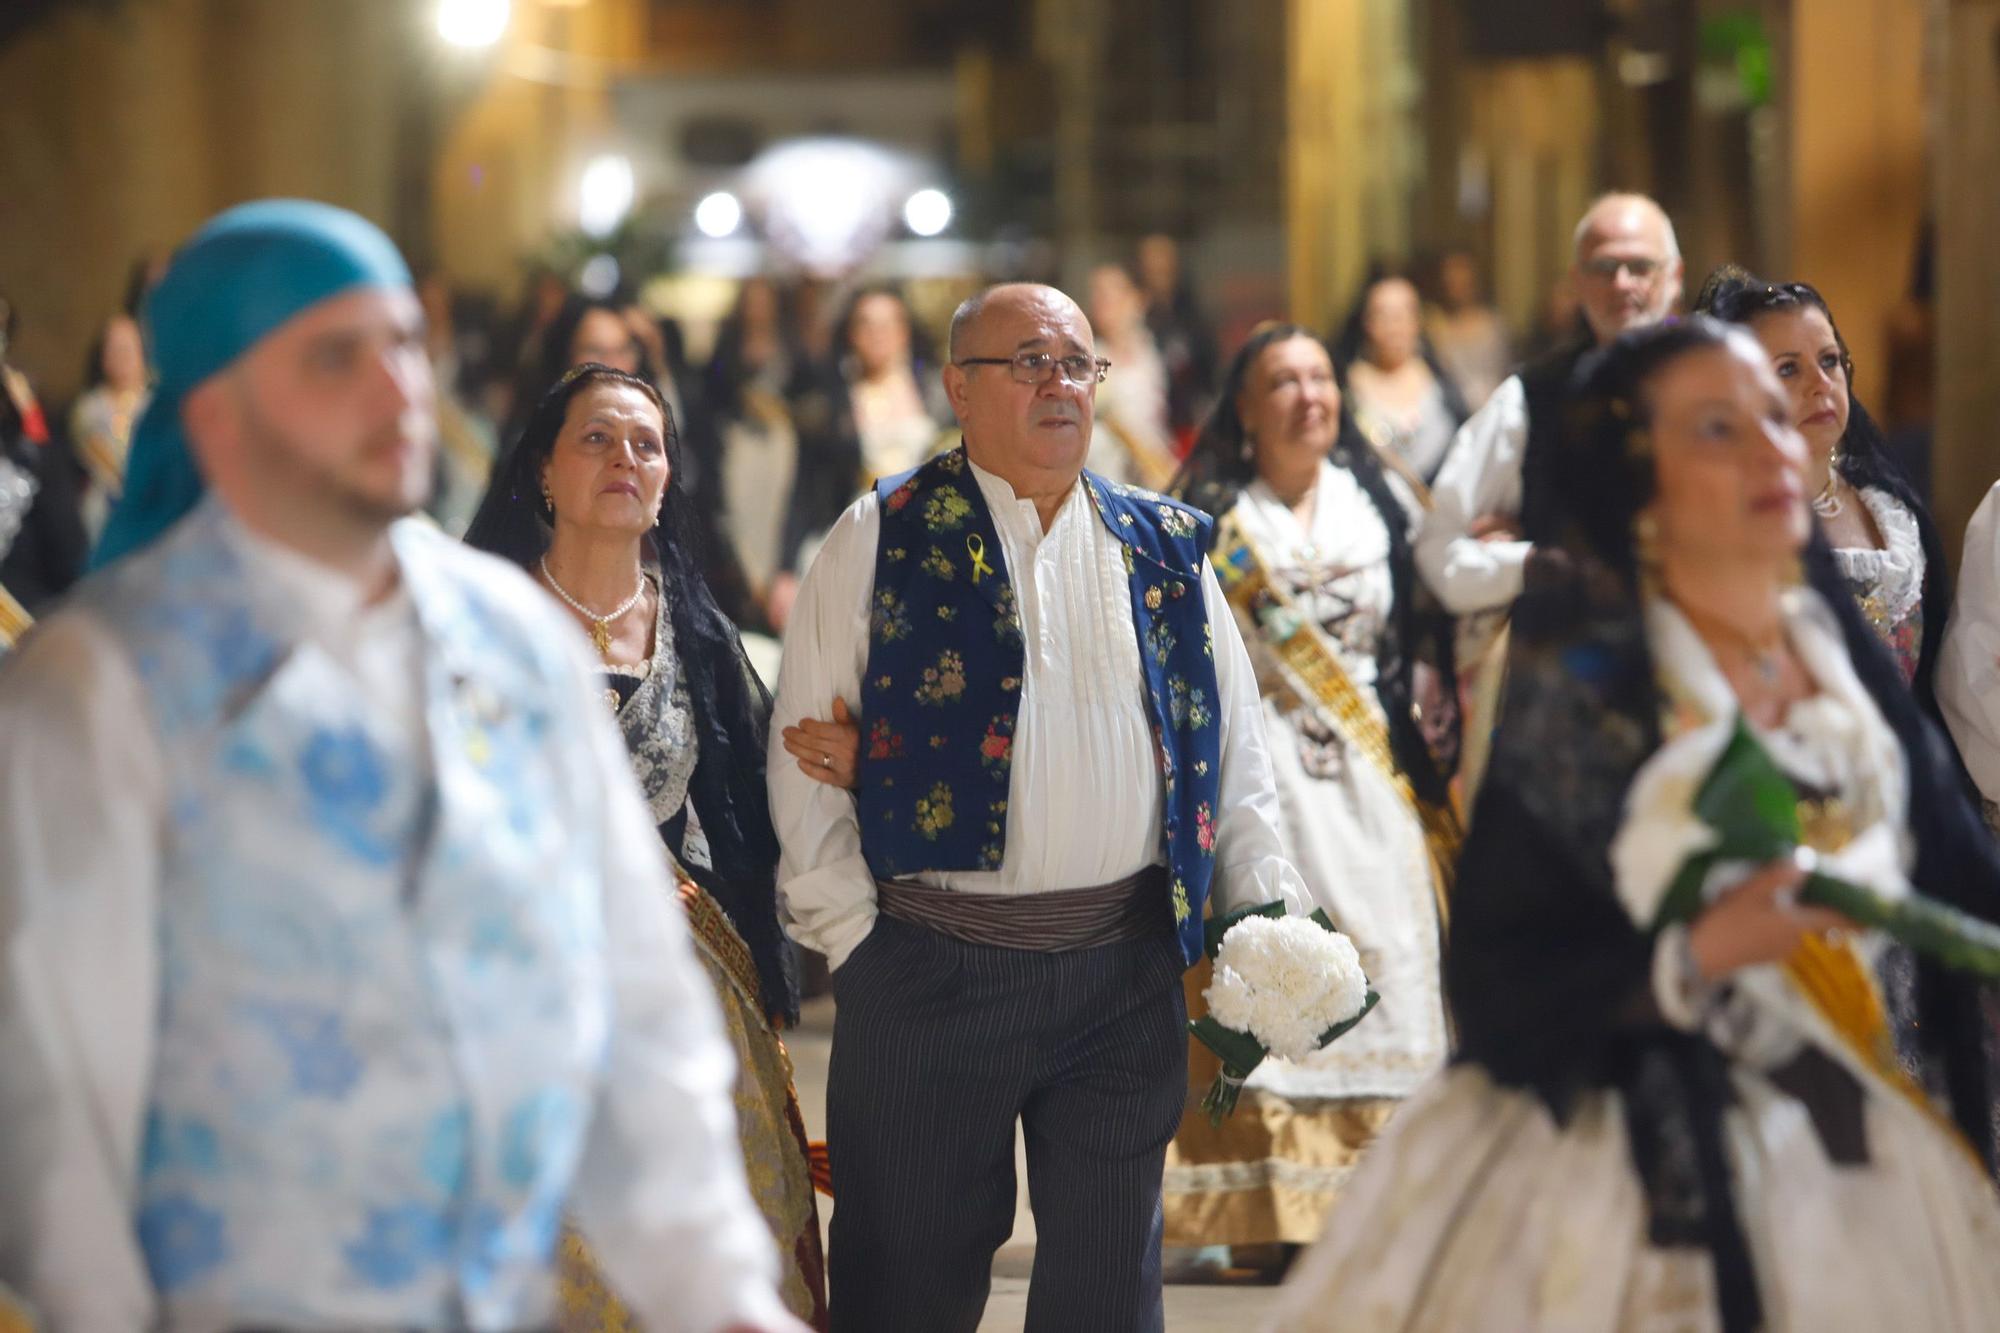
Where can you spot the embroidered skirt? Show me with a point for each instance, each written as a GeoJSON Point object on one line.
{"type": "Point", "coordinates": [771, 1132]}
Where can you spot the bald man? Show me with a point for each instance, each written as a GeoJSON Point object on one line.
{"type": "Point", "coordinates": [338, 958]}
{"type": "Point", "coordinates": [1062, 756]}
{"type": "Point", "coordinates": [1486, 505]}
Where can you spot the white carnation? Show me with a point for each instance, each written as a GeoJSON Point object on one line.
{"type": "Point", "coordinates": [1285, 981]}
{"type": "Point", "coordinates": [1230, 1000]}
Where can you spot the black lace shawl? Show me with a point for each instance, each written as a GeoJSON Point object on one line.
{"type": "Point", "coordinates": [1547, 977]}
{"type": "Point", "coordinates": [732, 709]}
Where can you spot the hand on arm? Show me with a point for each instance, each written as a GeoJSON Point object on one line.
{"type": "Point", "coordinates": [828, 752]}
{"type": "Point", "coordinates": [826, 891]}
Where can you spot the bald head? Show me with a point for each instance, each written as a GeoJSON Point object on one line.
{"type": "Point", "coordinates": [1627, 264]}
{"type": "Point", "coordinates": [1004, 301]}
{"type": "Point", "coordinates": [1621, 214]}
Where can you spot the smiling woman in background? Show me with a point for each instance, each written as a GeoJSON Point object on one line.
{"type": "Point", "coordinates": [1312, 547]}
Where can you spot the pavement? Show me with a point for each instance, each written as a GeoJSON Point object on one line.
{"type": "Point", "coordinates": [1190, 1308]}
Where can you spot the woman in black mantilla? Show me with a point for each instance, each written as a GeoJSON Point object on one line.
{"type": "Point", "coordinates": [586, 502]}
{"type": "Point", "coordinates": [1701, 1126]}
{"type": "Point", "coordinates": [1879, 532]}
{"type": "Point", "coordinates": [1312, 549]}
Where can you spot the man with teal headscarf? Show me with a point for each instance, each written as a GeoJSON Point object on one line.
{"type": "Point", "coordinates": [337, 959]}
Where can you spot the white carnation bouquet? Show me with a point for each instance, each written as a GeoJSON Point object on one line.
{"type": "Point", "coordinates": [1283, 986]}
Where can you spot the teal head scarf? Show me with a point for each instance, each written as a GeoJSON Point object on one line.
{"type": "Point", "coordinates": [242, 275]}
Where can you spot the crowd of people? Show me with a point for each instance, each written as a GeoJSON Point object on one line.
{"type": "Point", "coordinates": [805, 395]}
{"type": "Point", "coordinates": [396, 935]}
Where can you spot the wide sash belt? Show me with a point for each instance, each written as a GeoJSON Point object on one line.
{"type": "Point", "coordinates": [1134, 908]}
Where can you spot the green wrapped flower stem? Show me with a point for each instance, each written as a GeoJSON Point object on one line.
{"type": "Point", "coordinates": [1961, 942]}
{"type": "Point", "coordinates": [1753, 808]}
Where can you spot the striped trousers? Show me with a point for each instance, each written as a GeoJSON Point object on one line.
{"type": "Point", "coordinates": [939, 1047]}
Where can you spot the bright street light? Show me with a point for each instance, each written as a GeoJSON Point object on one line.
{"type": "Point", "coordinates": [472, 23]}
{"type": "Point", "coordinates": [606, 194]}
{"type": "Point", "coordinates": [718, 215]}
{"type": "Point", "coordinates": [928, 212]}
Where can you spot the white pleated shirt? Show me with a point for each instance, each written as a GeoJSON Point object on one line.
{"type": "Point", "coordinates": [1084, 797]}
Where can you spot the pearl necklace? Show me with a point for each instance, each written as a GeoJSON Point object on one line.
{"type": "Point", "coordinates": [600, 626]}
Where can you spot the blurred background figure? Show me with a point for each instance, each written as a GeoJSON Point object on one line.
{"type": "Point", "coordinates": [101, 420]}
{"type": "Point", "coordinates": [42, 539]}
{"type": "Point", "coordinates": [1559, 322]}
{"type": "Point", "coordinates": [465, 439]}
{"type": "Point", "coordinates": [1968, 678]}
{"type": "Point", "coordinates": [789, 457]}
{"type": "Point", "coordinates": [758, 360]}
{"type": "Point", "coordinates": [1132, 442]}
{"type": "Point", "coordinates": [597, 330]}
{"type": "Point", "coordinates": [584, 329]}
{"type": "Point", "coordinates": [1183, 333]}
{"type": "Point", "coordinates": [1399, 392]}
{"type": "Point", "coordinates": [1466, 331]}
{"type": "Point", "coordinates": [892, 383]}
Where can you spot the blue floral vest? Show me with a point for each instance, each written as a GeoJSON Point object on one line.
{"type": "Point", "coordinates": [383, 1008]}
{"type": "Point", "coordinates": [943, 682]}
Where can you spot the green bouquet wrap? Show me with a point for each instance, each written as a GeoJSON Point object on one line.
{"type": "Point", "coordinates": [1754, 810]}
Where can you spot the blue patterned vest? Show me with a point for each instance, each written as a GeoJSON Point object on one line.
{"type": "Point", "coordinates": [943, 682]}
{"type": "Point", "coordinates": [383, 1009]}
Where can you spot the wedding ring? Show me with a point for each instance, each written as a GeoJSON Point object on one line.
{"type": "Point", "coordinates": [826, 761]}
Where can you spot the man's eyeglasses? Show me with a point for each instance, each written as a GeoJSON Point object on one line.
{"type": "Point", "coordinates": [1036, 367]}
{"type": "Point", "coordinates": [1608, 269]}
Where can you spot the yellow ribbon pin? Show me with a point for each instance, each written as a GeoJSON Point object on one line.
{"type": "Point", "coordinates": [975, 546]}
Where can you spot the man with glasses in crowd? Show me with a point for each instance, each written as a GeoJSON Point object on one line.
{"type": "Point", "coordinates": [1061, 752]}
{"type": "Point", "coordinates": [1486, 512]}
{"type": "Point", "coordinates": [1489, 500]}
